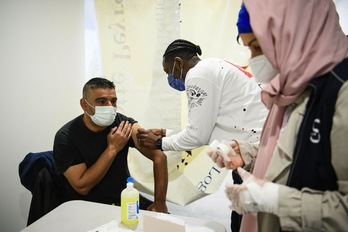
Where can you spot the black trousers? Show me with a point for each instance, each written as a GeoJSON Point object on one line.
{"type": "Point", "coordinates": [236, 219]}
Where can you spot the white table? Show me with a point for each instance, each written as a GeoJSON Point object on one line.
{"type": "Point", "coordinates": [84, 216]}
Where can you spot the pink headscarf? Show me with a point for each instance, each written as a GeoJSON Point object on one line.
{"type": "Point", "coordinates": [302, 39]}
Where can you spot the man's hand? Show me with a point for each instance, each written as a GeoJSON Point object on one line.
{"type": "Point", "coordinates": [83, 178]}
{"type": "Point", "coordinates": [234, 156]}
{"type": "Point", "coordinates": [254, 195]}
{"type": "Point", "coordinates": [157, 132]}
{"type": "Point", "coordinates": [119, 136]}
{"type": "Point", "coordinates": [147, 138]}
{"type": "Point", "coordinates": [158, 207]}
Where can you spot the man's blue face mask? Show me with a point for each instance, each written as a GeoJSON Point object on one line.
{"type": "Point", "coordinates": [178, 84]}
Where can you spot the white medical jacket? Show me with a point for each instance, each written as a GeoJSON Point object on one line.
{"type": "Point", "coordinates": [223, 103]}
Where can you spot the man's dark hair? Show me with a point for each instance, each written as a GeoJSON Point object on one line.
{"type": "Point", "coordinates": [182, 48]}
{"type": "Point", "coordinates": [97, 82]}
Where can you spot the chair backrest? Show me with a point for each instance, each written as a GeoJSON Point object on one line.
{"type": "Point", "coordinates": [32, 164]}
{"type": "Point", "coordinates": [38, 175]}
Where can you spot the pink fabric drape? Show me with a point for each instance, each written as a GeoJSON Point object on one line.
{"type": "Point", "coordinates": [302, 39]}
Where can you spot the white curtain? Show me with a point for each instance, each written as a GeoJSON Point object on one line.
{"type": "Point", "coordinates": [133, 36]}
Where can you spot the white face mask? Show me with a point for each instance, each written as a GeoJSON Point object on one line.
{"type": "Point", "coordinates": [104, 115]}
{"type": "Point", "coordinates": [262, 69]}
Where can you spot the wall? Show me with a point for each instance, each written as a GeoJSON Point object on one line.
{"type": "Point", "coordinates": [342, 10]}
{"type": "Point", "coordinates": [42, 73]}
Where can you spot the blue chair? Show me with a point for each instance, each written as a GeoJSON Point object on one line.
{"type": "Point", "coordinates": [37, 174]}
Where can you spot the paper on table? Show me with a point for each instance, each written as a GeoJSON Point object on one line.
{"type": "Point", "coordinates": [190, 228]}
{"type": "Point", "coordinates": [159, 223]}
{"type": "Point", "coordinates": [165, 222]}
{"type": "Point", "coordinates": [109, 227]}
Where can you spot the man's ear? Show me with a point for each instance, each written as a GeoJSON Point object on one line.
{"type": "Point", "coordinates": [83, 104]}
{"type": "Point", "coordinates": [179, 62]}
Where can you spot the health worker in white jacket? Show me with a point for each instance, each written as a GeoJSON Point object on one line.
{"type": "Point", "coordinates": [223, 103]}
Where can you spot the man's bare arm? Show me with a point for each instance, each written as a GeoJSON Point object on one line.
{"type": "Point", "coordinates": [160, 170]}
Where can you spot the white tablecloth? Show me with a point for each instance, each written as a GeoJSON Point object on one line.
{"type": "Point", "coordinates": [85, 216]}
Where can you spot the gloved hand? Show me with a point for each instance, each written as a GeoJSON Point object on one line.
{"type": "Point", "coordinates": [254, 195]}
{"type": "Point", "coordinates": [235, 158]}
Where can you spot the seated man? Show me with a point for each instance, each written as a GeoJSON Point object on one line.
{"type": "Point", "coordinates": [91, 151]}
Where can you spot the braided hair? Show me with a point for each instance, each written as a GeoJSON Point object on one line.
{"type": "Point", "coordinates": [183, 48]}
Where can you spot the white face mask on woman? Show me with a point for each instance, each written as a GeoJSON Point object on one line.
{"type": "Point", "coordinates": [104, 115]}
{"type": "Point", "coordinates": [262, 69]}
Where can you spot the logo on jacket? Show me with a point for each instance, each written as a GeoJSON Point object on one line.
{"type": "Point", "coordinates": [195, 96]}
{"type": "Point", "coordinates": [315, 135]}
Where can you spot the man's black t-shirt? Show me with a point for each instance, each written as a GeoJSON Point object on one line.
{"type": "Point", "coordinates": [74, 144]}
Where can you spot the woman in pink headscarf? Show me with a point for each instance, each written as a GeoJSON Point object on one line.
{"type": "Point", "coordinates": [300, 177]}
